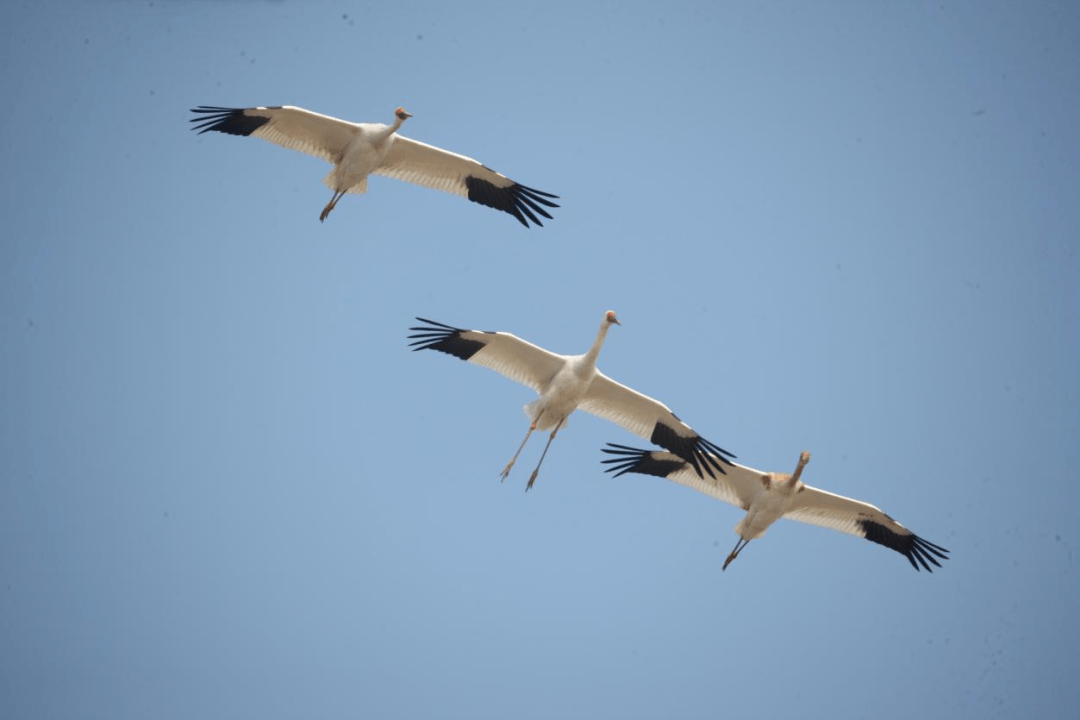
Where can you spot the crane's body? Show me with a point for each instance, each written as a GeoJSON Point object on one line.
{"type": "Point", "coordinates": [363, 156]}
{"type": "Point", "coordinates": [776, 497]}
{"type": "Point", "coordinates": [568, 387]}
{"type": "Point", "coordinates": [569, 382]}
{"type": "Point", "coordinates": [358, 150]}
{"type": "Point", "coordinates": [768, 496]}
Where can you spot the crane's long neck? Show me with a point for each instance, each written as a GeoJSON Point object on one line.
{"type": "Point", "coordinates": [391, 129]}
{"type": "Point", "coordinates": [803, 459]}
{"type": "Point", "coordinates": [594, 351]}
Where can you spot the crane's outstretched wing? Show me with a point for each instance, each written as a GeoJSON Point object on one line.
{"type": "Point", "coordinates": [861, 519]}
{"type": "Point", "coordinates": [811, 505]}
{"type": "Point", "coordinates": [654, 421]}
{"type": "Point", "coordinates": [504, 353]}
{"type": "Point", "coordinates": [736, 487]}
{"type": "Point", "coordinates": [422, 164]}
{"type": "Point", "coordinates": [290, 127]}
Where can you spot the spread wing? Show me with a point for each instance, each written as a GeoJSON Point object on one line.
{"type": "Point", "coordinates": [504, 353]}
{"type": "Point", "coordinates": [294, 128]}
{"type": "Point", "coordinates": [654, 421]}
{"type": "Point", "coordinates": [422, 164]}
{"type": "Point", "coordinates": [861, 519]}
{"type": "Point", "coordinates": [736, 487]}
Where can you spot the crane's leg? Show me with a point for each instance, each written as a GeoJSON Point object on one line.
{"type": "Point", "coordinates": [532, 479]}
{"type": "Point", "coordinates": [331, 205]}
{"type": "Point", "coordinates": [506, 470]}
{"type": "Point", "coordinates": [738, 548]}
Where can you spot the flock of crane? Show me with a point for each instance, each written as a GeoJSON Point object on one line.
{"type": "Point", "coordinates": [564, 382]}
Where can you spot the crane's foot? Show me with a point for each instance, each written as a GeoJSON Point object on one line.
{"type": "Point", "coordinates": [325, 212]}
{"type": "Point", "coordinates": [728, 561]}
{"type": "Point", "coordinates": [532, 479]}
{"type": "Point", "coordinates": [506, 471]}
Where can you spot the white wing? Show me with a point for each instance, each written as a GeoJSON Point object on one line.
{"type": "Point", "coordinates": [737, 487]}
{"type": "Point", "coordinates": [504, 353]}
{"type": "Point", "coordinates": [421, 164]}
{"type": "Point", "coordinates": [294, 128]}
{"type": "Point", "coordinates": [652, 420]}
{"type": "Point", "coordinates": [861, 519]}
{"type": "Point", "coordinates": [825, 509]}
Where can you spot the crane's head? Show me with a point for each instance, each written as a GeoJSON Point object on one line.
{"type": "Point", "coordinates": [611, 317]}
{"type": "Point", "coordinates": [402, 114]}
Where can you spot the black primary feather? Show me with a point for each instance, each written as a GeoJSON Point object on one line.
{"type": "Point", "coordinates": [444, 338]}
{"type": "Point", "coordinates": [232, 121]}
{"type": "Point", "coordinates": [911, 546]}
{"type": "Point", "coordinates": [518, 200]}
{"type": "Point", "coordinates": [695, 450]}
{"type": "Point", "coordinates": [630, 459]}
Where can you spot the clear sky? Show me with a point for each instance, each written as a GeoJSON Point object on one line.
{"type": "Point", "coordinates": [229, 490]}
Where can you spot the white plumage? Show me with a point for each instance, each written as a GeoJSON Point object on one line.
{"type": "Point", "coordinates": [360, 149]}
{"type": "Point", "coordinates": [569, 382]}
{"type": "Point", "coordinates": [768, 496]}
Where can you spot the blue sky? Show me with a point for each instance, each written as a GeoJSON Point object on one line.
{"type": "Point", "coordinates": [228, 489]}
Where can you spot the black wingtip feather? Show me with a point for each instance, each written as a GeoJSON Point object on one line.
{"type": "Point", "coordinates": [535, 193]}
{"type": "Point", "coordinates": [443, 338]}
{"type": "Point", "coordinates": [914, 548]}
{"type": "Point", "coordinates": [629, 459]}
{"type": "Point", "coordinates": [231, 121]}
{"type": "Point", "coordinates": [520, 201]}
{"type": "Point", "coordinates": [703, 456]}
{"type": "Point", "coordinates": [432, 322]}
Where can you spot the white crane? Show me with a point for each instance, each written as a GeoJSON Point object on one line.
{"type": "Point", "coordinates": [768, 496]}
{"type": "Point", "coordinates": [360, 149]}
{"type": "Point", "coordinates": [567, 383]}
